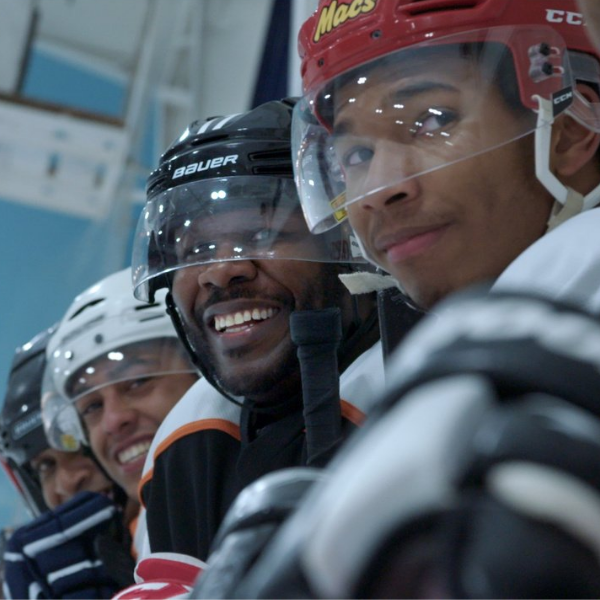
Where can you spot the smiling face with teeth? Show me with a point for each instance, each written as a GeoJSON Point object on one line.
{"type": "Point", "coordinates": [238, 257]}
{"type": "Point", "coordinates": [236, 315]}
{"type": "Point", "coordinates": [123, 397]}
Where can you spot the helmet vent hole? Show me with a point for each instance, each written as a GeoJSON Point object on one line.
{"type": "Point", "coordinates": [89, 305]}
{"type": "Point", "coordinates": [275, 162]}
{"type": "Point", "coordinates": [419, 7]}
{"type": "Point", "coordinates": [274, 170]}
{"type": "Point", "coordinates": [152, 318]}
{"type": "Point", "coordinates": [216, 137]}
{"type": "Point", "coordinates": [147, 306]}
{"type": "Point", "coordinates": [283, 154]}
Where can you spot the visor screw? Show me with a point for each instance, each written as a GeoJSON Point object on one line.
{"type": "Point", "coordinates": [547, 68]}
{"type": "Point", "coordinates": [98, 338]}
{"type": "Point", "coordinates": [376, 34]}
{"type": "Point", "coordinates": [545, 49]}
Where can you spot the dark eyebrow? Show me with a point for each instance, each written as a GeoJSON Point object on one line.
{"type": "Point", "coordinates": [117, 371]}
{"type": "Point", "coordinates": [399, 96]}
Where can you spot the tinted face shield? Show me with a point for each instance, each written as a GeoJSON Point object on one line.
{"type": "Point", "coordinates": [424, 108]}
{"type": "Point", "coordinates": [132, 371]}
{"type": "Point", "coordinates": [225, 219]}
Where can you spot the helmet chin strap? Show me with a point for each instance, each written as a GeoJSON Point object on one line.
{"type": "Point", "coordinates": [567, 201]}
{"type": "Point", "coordinates": [364, 282]}
{"type": "Point", "coordinates": [196, 358]}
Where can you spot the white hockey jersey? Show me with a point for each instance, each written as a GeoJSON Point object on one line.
{"type": "Point", "coordinates": [206, 423]}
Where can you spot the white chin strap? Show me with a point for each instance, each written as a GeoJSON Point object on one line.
{"type": "Point", "coordinates": [365, 282]}
{"type": "Point", "coordinates": [568, 202]}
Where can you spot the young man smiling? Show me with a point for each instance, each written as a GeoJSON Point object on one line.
{"type": "Point", "coordinates": [454, 136]}
{"type": "Point", "coordinates": [115, 369]}
{"type": "Point", "coordinates": [231, 244]}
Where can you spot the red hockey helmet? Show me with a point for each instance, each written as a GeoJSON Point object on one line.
{"type": "Point", "coordinates": [361, 59]}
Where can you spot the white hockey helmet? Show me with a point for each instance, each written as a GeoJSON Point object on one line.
{"type": "Point", "coordinates": [104, 323]}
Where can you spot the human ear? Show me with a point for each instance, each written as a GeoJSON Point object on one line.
{"type": "Point", "coordinates": [573, 145]}
{"type": "Point", "coordinates": [591, 12]}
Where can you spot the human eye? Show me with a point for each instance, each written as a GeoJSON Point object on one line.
{"type": "Point", "coordinates": [356, 156]}
{"type": "Point", "coordinates": [434, 121]}
{"type": "Point", "coordinates": [44, 468]}
{"type": "Point", "coordinates": [267, 235]}
{"type": "Point", "coordinates": [188, 251]}
{"type": "Point", "coordinates": [89, 408]}
{"type": "Point", "coordinates": [138, 385]}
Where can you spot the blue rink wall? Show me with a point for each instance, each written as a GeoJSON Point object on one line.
{"type": "Point", "coordinates": [49, 257]}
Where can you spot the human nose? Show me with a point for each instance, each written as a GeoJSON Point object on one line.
{"type": "Point", "coordinates": [225, 273]}
{"type": "Point", "coordinates": [391, 177]}
{"type": "Point", "coordinates": [118, 415]}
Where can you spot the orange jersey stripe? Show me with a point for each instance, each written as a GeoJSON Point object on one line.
{"type": "Point", "coordinates": [353, 414]}
{"type": "Point", "coordinates": [221, 424]}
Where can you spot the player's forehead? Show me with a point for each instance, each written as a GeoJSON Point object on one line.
{"type": "Point", "coordinates": [407, 76]}
{"type": "Point", "coordinates": [146, 356]}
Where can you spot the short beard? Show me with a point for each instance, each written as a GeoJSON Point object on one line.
{"type": "Point", "coordinates": [282, 379]}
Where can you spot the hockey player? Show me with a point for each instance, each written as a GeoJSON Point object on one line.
{"type": "Point", "coordinates": [395, 130]}
{"type": "Point", "coordinates": [223, 229]}
{"type": "Point", "coordinates": [455, 135]}
{"type": "Point", "coordinates": [115, 368]}
{"type": "Point", "coordinates": [48, 479]}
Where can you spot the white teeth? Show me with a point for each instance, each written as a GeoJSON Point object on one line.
{"type": "Point", "coordinates": [133, 452]}
{"type": "Point", "coordinates": [223, 322]}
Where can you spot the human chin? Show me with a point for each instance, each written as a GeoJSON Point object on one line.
{"type": "Point", "coordinates": [253, 372]}
{"type": "Point", "coordinates": [424, 285]}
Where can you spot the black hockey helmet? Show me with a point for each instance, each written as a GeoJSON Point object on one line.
{"type": "Point", "coordinates": [21, 431]}
{"type": "Point", "coordinates": [224, 191]}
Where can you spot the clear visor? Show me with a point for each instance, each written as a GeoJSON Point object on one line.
{"type": "Point", "coordinates": [72, 400]}
{"type": "Point", "coordinates": [423, 108]}
{"type": "Point", "coordinates": [236, 218]}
